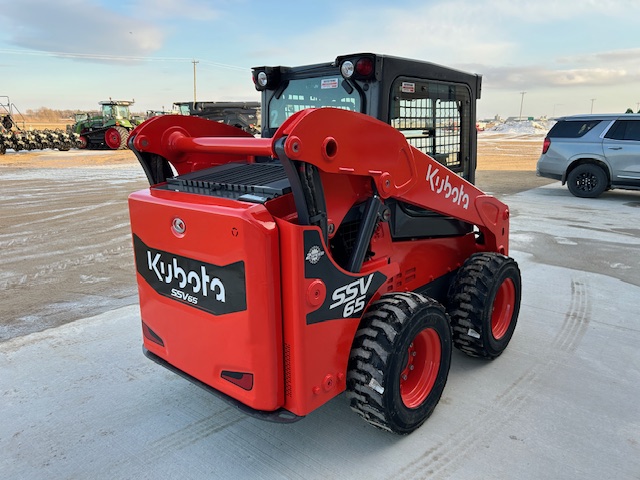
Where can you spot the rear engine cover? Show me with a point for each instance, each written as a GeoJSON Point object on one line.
{"type": "Point", "coordinates": [208, 272]}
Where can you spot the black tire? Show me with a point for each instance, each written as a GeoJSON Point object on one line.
{"type": "Point", "coordinates": [399, 362]}
{"type": "Point", "coordinates": [587, 181]}
{"type": "Point", "coordinates": [124, 137]}
{"type": "Point", "coordinates": [484, 302]}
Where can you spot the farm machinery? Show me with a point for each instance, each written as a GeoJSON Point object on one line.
{"type": "Point", "coordinates": [346, 250]}
{"type": "Point", "coordinates": [12, 137]}
{"type": "Point", "coordinates": [244, 115]}
{"type": "Point", "coordinates": [36, 140]}
{"type": "Point", "coordinates": [108, 130]}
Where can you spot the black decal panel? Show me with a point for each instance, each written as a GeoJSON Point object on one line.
{"type": "Point", "coordinates": [347, 295]}
{"type": "Point", "coordinates": [212, 288]}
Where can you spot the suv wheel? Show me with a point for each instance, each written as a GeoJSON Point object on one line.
{"type": "Point", "coordinates": [587, 181]}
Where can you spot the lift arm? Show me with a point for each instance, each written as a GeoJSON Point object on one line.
{"type": "Point", "coordinates": [343, 142]}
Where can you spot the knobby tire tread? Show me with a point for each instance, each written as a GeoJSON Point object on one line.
{"type": "Point", "coordinates": [468, 300]}
{"type": "Point", "coordinates": [372, 350]}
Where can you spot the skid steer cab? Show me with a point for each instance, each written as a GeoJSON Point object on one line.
{"type": "Point", "coordinates": [346, 249]}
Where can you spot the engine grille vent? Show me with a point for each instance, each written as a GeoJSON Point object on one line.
{"type": "Point", "coordinates": [250, 182]}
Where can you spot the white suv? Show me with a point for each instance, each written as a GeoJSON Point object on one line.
{"type": "Point", "coordinates": [593, 153]}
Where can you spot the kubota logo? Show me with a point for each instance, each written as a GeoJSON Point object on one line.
{"type": "Point", "coordinates": [442, 186]}
{"type": "Point", "coordinates": [217, 289]}
{"type": "Point", "coordinates": [199, 282]}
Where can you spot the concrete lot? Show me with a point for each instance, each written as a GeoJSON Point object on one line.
{"type": "Point", "coordinates": [81, 401]}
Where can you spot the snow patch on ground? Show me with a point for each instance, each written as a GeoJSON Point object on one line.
{"type": "Point", "coordinates": [525, 127]}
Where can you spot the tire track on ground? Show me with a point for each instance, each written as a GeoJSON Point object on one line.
{"type": "Point", "coordinates": [192, 433]}
{"type": "Point", "coordinates": [576, 320]}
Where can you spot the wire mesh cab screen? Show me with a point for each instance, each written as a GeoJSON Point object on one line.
{"type": "Point", "coordinates": [434, 117]}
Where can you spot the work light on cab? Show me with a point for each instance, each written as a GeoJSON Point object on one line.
{"type": "Point", "coordinates": [347, 69]}
{"type": "Point", "coordinates": [266, 78]}
{"type": "Point", "coordinates": [262, 79]}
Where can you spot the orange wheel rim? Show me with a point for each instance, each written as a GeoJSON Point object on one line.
{"type": "Point", "coordinates": [421, 371]}
{"type": "Point", "coordinates": [503, 306]}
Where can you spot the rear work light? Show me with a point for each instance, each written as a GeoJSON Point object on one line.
{"type": "Point", "coordinates": [546, 144]}
{"type": "Point", "coordinates": [261, 79]}
{"type": "Point", "coordinates": [266, 78]}
{"type": "Point", "coordinates": [347, 69]}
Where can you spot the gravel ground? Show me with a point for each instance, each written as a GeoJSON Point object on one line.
{"type": "Point", "coordinates": [65, 242]}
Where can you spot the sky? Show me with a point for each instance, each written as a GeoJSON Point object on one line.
{"type": "Point", "coordinates": [567, 57]}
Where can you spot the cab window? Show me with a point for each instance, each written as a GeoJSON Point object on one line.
{"type": "Point", "coordinates": [299, 94]}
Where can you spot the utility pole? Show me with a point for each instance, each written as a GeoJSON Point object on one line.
{"type": "Point", "coordinates": [592, 100]}
{"type": "Point", "coordinates": [521, 102]}
{"type": "Point", "coordinates": [194, 61]}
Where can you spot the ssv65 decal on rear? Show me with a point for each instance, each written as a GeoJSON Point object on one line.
{"type": "Point", "coordinates": [215, 289]}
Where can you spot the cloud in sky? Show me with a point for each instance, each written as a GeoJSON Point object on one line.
{"type": "Point", "coordinates": [598, 69]}
{"type": "Point", "coordinates": [77, 26]}
{"type": "Point", "coordinates": [628, 56]}
{"type": "Point", "coordinates": [442, 32]}
{"type": "Point", "coordinates": [513, 44]}
{"type": "Point", "coordinates": [196, 10]}
{"type": "Point", "coordinates": [543, 77]}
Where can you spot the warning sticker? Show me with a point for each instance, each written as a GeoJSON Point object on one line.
{"type": "Point", "coordinates": [329, 83]}
{"type": "Point", "coordinates": [408, 87]}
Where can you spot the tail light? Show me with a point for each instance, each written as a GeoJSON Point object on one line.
{"type": "Point", "coordinates": [364, 67]}
{"type": "Point", "coordinates": [151, 335]}
{"type": "Point", "coordinates": [546, 144]}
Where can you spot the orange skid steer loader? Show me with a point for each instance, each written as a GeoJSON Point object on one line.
{"type": "Point", "coordinates": [346, 249]}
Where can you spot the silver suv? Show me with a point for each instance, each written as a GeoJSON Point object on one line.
{"type": "Point", "coordinates": [593, 153]}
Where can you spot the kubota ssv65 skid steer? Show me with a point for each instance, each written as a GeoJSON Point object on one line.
{"type": "Point", "coordinates": [346, 249]}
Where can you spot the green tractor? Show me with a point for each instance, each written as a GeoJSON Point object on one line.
{"type": "Point", "coordinates": [108, 130]}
